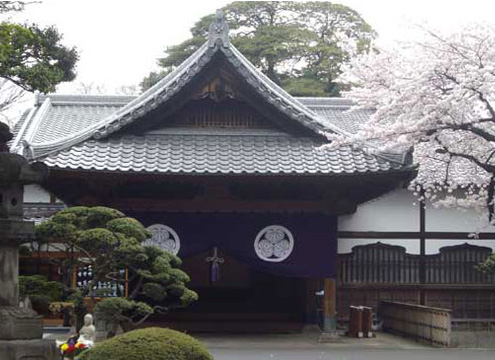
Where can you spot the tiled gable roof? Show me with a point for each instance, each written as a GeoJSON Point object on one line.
{"type": "Point", "coordinates": [210, 153]}
{"type": "Point", "coordinates": [78, 132]}
{"type": "Point", "coordinates": [338, 112]}
{"type": "Point", "coordinates": [158, 95]}
{"type": "Point", "coordinates": [56, 120]}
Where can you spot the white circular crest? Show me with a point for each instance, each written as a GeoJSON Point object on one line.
{"type": "Point", "coordinates": [274, 243]}
{"type": "Point", "coordinates": [163, 237]}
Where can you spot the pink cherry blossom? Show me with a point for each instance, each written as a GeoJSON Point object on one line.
{"type": "Point", "coordinates": [437, 95]}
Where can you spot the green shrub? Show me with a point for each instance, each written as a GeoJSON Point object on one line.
{"type": "Point", "coordinates": [150, 344]}
{"type": "Point", "coordinates": [125, 312]}
{"type": "Point", "coordinates": [41, 303]}
{"type": "Point", "coordinates": [41, 292]}
{"type": "Point", "coordinates": [38, 285]}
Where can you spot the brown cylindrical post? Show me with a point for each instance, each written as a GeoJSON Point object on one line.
{"type": "Point", "coordinates": [355, 322]}
{"type": "Point", "coordinates": [73, 279]}
{"type": "Point", "coordinates": [367, 321]}
{"type": "Point", "coordinates": [329, 305]}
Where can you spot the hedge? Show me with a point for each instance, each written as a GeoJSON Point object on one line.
{"type": "Point", "coordinates": [150, 344]}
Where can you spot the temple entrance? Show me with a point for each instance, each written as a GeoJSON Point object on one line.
{"type": "Point", "coordinates": [251, 271]}
{"type": "Point", "coordinates": [238, 298]}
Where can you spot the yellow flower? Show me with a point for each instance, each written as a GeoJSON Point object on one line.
{"type": "Point", "coordinates": [64, 347]}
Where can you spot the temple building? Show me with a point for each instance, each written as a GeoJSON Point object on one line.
{"type": "Point", "coordinates": [232, 174]}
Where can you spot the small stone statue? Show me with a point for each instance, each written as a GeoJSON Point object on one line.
{"type": "Point", "coordinates": [26, 303]}
{"type": "Point", "coordinates": [87, 334]}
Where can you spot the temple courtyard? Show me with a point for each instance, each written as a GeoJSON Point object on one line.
{"type": "Point", "coordinates": [312, 346]}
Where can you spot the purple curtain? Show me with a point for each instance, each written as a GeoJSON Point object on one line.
{"type": "Point", "coordinates": [315, 238]}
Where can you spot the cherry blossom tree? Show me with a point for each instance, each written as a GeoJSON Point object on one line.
{"type": "Point", "coordinates": [437, 95]}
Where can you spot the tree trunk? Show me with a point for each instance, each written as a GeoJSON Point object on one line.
{"type": "Point", "coordinates": [127, 325]}
{"type": "Point", "coordinates": [113, 330]}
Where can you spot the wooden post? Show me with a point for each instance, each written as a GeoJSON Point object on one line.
{"type": "Point", "coordinates": [73, 278]}
{"type": "Point", "coordinates": [329, 305]}
{"type": "Point", "coordinates": [126, 282]}
{"type": "Point", "coordinates": [422, 251]}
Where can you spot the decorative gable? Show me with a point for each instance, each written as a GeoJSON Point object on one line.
{"type": "Point", "coordinates": [214, 114]}
{"type": "Point", "coordinates": [227, 113]}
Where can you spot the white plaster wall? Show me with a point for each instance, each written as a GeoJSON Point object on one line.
{"type": "Point", "coordinates": [432, 245]}
{"type": "Point", "coordinates": [36, 194]}
{"type": "Point", "coordinates": [399, 211]}
{"type": "Point", "coordinates": [346, 245]}
{"type": "Point", "coordinates": [456, 220]}
{"type": "Point", "coordinates": [394, 211]}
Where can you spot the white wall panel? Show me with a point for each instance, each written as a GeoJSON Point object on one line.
{"type": "Point", "coordinates": [456, 220]}
{"type": "Point", "coordinates": [392, 212]}
{"type": "Point", "coordinates": [432, 245]}
{"type": "Point", "coordinates": [36, 194]}
{"type": "Point", "coordinates": [399, 211]}
{"type": "Point", "coordinates": [346, 245]}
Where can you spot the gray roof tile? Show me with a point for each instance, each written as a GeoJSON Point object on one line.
{"type": "Point", "coordinates": [339, 112]}
{"type": "Point", "coordinates": [76, 132]}
{"type": "Point", "coordinates": [65, 120]}
{"type": "Point", "coordinates": [215, 154]}
{"type": "Point", "coordinates": [58, 136]}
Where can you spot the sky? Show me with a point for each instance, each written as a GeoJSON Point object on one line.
{"type": "Point", "coordinates": [120, 40]}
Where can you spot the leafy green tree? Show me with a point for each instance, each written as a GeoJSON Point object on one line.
{"type": "Point", "coordinates": [488, 266]}
{"type": "Point", "coordinates": [31, 57]}
{"type": "Point", "coordinates": [30, 285]}
{"type": "Point", "coordinates": [299, 45]}
{"type": "Point", "coordinates": [40, 291]}
{"type": "Point", "coordinates": [109, 241]}
{"type": "Point", "coordinates": [124, 312]}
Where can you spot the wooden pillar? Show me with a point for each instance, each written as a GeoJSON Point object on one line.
{"type": "Point", "coordinates": [330, 305]}
{"type": "Point", "coordinates": [126, 283]}
{"type": "Point", "coordinates": [310, 301]}
{"type": "Point", "coordinates": [422, 252]}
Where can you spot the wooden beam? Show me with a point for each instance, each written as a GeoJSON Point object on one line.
{"type": "Point", "coordinates": [230, 205]}
{"type": "Point", "coordinates": [422, 250]}
{"type": "Point", "coordinates": [413, 235]}
{"type": "Point", "coordinates": [395, 286]}
{"type": "Point", "coordinates": [47, 255]}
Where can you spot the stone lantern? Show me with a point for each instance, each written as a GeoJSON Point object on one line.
{"type": "Point", "coordinates": [21, 329]}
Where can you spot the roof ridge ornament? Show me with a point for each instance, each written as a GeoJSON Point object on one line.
{"type": "Point", "coordinates": [219, 31]}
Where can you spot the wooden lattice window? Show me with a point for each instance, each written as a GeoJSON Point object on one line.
{"type": "Point", "coordinates": [229, 113]}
